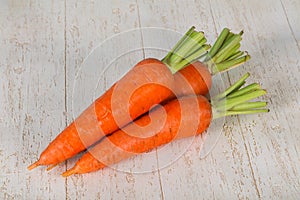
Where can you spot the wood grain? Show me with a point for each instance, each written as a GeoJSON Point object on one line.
{"type": "Point", "coordinates": [57, 57]}
{"type": "Point", "coordinates": [32, 96]}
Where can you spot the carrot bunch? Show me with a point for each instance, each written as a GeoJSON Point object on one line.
{"type": "Point", "coordinates": [148, 83]}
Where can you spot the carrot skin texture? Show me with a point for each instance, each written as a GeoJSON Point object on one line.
{"type": "Point", "coordinates": [130, 141]}
{"type": "Point", "coordinates": [195, 76]}
{"type": "Point", "coordinates": [149, 83]}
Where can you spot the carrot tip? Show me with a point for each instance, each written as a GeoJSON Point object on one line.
{"type": "Point", "coordinates": [69, 172]}
{"type": "Point", "coordinates": [51, 167]}
{"type": "Point", "coordinates": [34, 165]}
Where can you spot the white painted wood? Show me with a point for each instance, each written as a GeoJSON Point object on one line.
{"type": "Point", "coordinates": [44, 85]}
{"type": "Point", "coordinates": [31, 97]}
{"type": "Point", "coordinates": [271, 140]}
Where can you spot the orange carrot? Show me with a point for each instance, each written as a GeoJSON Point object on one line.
{"type": "Point", "coordinates": [183, 117]}
{"type": "Point", "coordinates": [80, 134]}
{"type": "Point", "coordinates": [120, 145]}
{"type": "Point", "coordinates": [150, 82]}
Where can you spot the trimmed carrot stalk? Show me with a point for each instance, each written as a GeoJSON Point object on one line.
{"type": "Point", "coordinates": [183, 117]}
{"type": "Point", "coordinates": [51, 167]}
{"type": "Point", "coordinates": [34, 165]}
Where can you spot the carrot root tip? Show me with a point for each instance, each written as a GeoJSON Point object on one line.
{"type": "Point", "coordinates": [69, 172]}
{"type": "Point", "coordinates": [34, 165]}
{"type": "Point", "coordinates": [51, 167]}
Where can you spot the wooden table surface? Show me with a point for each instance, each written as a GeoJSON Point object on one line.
{"type": "Point", "coordinates": [43, 45]}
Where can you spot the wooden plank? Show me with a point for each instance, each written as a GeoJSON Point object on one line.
{"type": "Point", "coordinates": [290, 9]}
{"type": "Point", "coordinates": [87, 81]}
{"type": "Point", "coordinates": [271, 139]}
{"type": "Point", "coordinates": [31, 97]}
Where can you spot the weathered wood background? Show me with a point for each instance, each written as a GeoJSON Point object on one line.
{"type": "Point", "coordinates": [42, 47]}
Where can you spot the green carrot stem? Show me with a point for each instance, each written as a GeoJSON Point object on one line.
{"type": "Point", "coordinates": [230, 103]}
{"type": "Point", "coordinates": [234, 101]}
{"type": "Point", "coordinates": [240, 112]}
{"type": "Point", "coordinates": [228, 65]}
{"type": "Point", "coordinates": [195, 56]}
{"type": "Point", "coordinates": [217, 45]}
{"type": "Point", "coordinates": [236, 55]}
{"type": "Point", "coordinates": [197, 47]}
{"type": "Point", "coordinates": [179, 43]}
{"type": "Point", "coordinates": [234, 50]}
{"type": "Point", "coordinates": [227, 47]}
{"type": "Point", "coordinates": [229, 36]}
{"type": "Point", "coordinates": [203, 56]}
{"type": "Point", "coordinates": [228, 53]}
{"type": "Point", "coordinates": [190, 42]}
{"type": "Point", "coordinates": [217, 115]}
{"type": "Point", "coordinates": [233, 87]}
{"type": "Point", "coordinates": [228, 56]}
{"type": "Point", "coordinates": [186, 47]}
{"type": "Point", "coordinates": [190, 47]}
{"type": "Point", "coordinates": [249, 105]}
{"type": "Point", "coordinates": [248, 88]}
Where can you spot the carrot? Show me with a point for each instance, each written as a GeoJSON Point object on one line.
{"type": "Point", "coordinates": [184, 117]}
{"type": "Point", "coordinates": [149, 82]}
